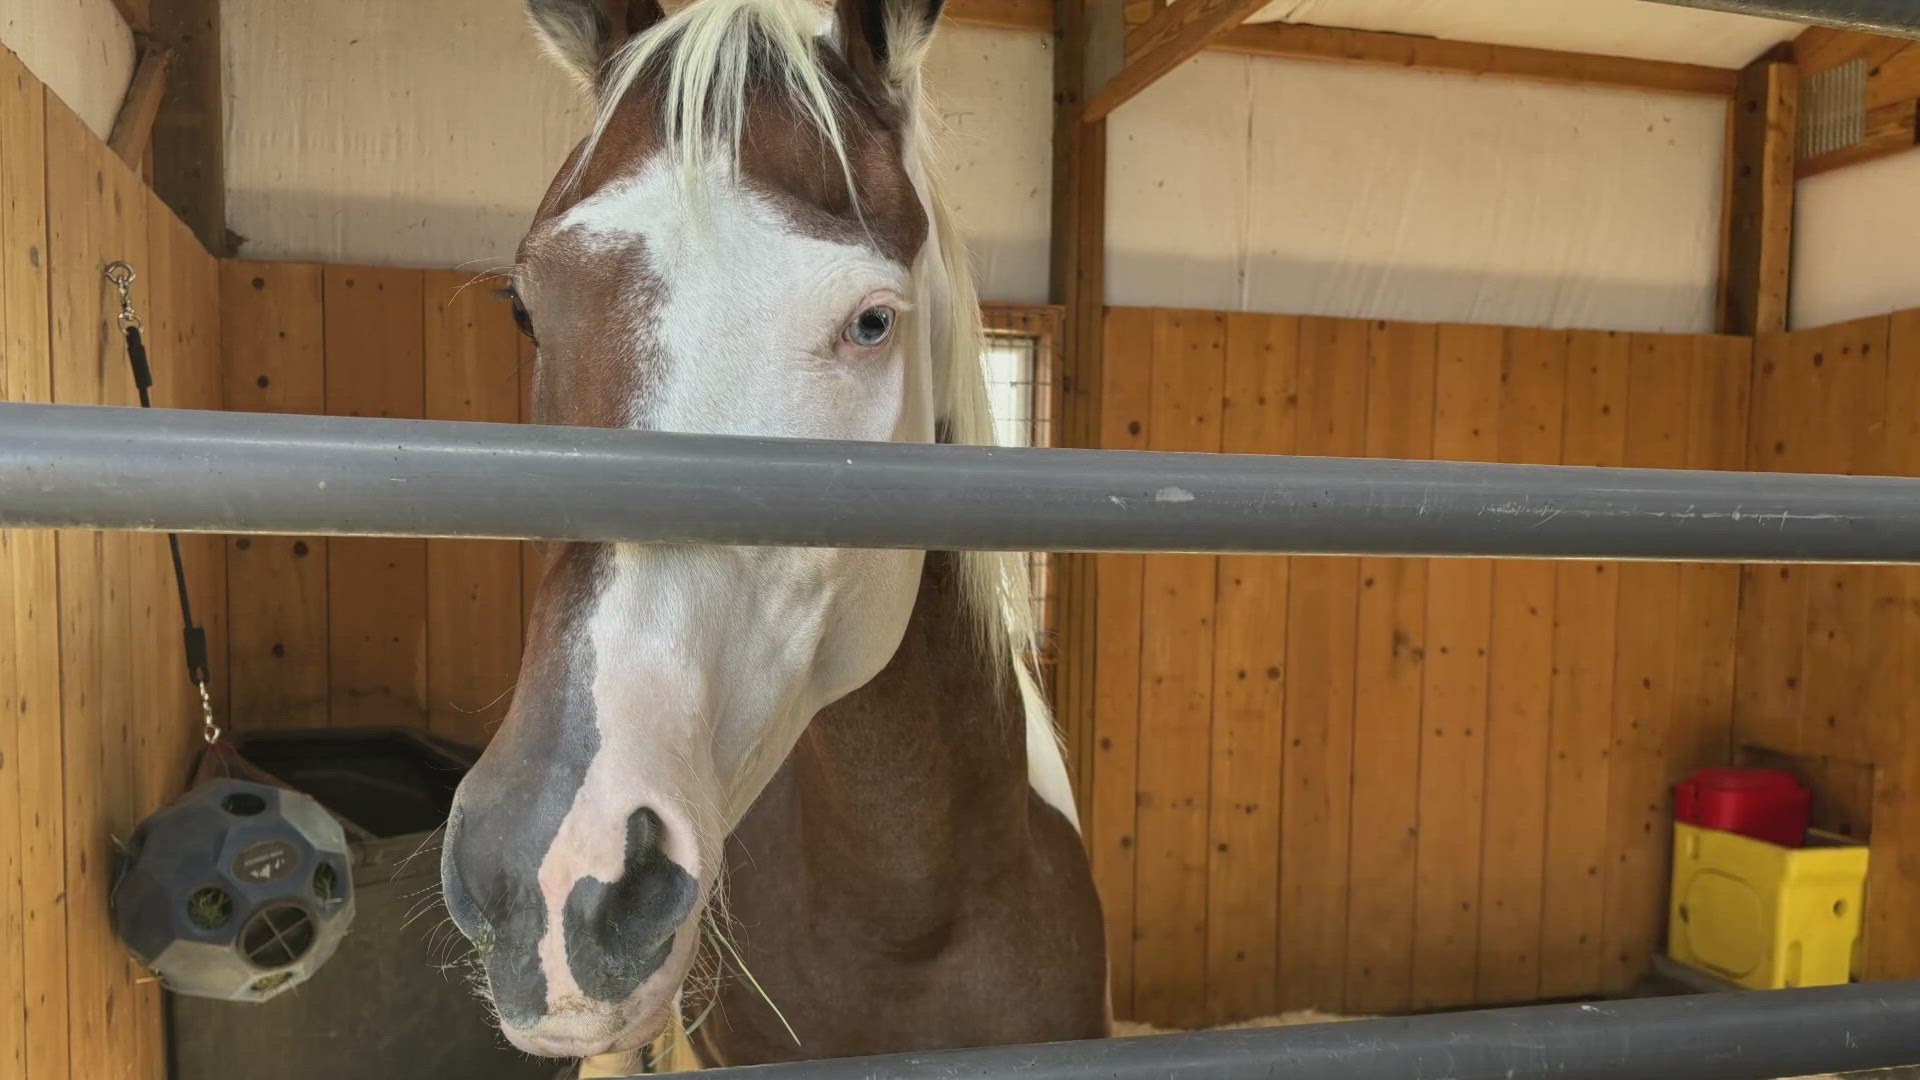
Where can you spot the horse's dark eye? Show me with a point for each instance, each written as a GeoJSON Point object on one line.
{"type": "Point", "coordinates": [520, 317]}
{"type": "Point", "coordinates": [871, 327]}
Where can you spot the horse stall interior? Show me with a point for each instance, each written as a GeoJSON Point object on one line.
{"type": "Point", "coordinates": [1351, 785]}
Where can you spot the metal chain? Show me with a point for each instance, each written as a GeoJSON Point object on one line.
{"type": "Point", "coordinates": [209, 729]}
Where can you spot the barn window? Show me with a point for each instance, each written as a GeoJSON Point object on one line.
{"type": "Point", "coordinates": [1022, 357]}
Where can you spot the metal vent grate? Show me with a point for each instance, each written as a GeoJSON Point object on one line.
{"type": "Point", "coordinates": [1833, 109]}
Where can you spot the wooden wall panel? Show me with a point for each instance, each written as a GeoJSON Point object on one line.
{"type": "Point", "coordinates": [13, 989]}
{"type": "Point", "coordinates": [92, 570]}
{"type": "Point", "coordinates": [1893, 882]}
{"type": "Point", "coordinates": [1710, 593]}
{"type": "Point", "coordinates": [32, 591]}
{"type": "Point", "coordinates": [1473, 758]}
{"type": "Point", "coordinates": [273, 345]}
{"type": "Point", "coordinates": [376, 588]}
{"type": "Point", "coordinates": [472, 360]}
{"type": "Point", "coordinates": [1125, 409]}
{"type": "Point", "coordinates": [1825, 668]}
{"type": "Point", "coordinates": [1519, 690]}
{"type": "Point", "coordinates": [369, 632]}
{"type": "Point", "coordinates": [1389, 667]}
{"type": "Point", "coordinates": [1316, 766]}
{"type": "Point", "coordinates": [1176, 694]}
{"type": "Point", "coordinates": [1454, 695]}
{"type": "Point", "coordinates": [93, 723]}
{"type": "Point", "coordinates": [1573, 901]}
{"type": "Point", "coordinates": [29, 672]}
{"type": "Point", "coordinates": [1851, 365]}
{"type": "Point", "coordinates": [1638, 812]}
{"type": "Point", "coordinates": [1258, 410]}
{"type": "Point", "coordinates": [1782, 437]}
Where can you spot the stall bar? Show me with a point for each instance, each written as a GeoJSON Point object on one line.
{"type": "Point", "coordinates": [74, 466]}
{"type": "Point", "coordinates": [1761, 1035]}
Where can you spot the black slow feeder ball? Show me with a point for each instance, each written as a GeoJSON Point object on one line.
{"type": "Point", "coordinates": [237, 891]}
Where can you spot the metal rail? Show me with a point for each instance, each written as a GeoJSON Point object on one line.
{"type": "Point", "coordinates": [112, 468]}
{"type": "Point", "coordinates": [1895, 18]}
{"type": "Point", "coordinates": [1739, 1036]}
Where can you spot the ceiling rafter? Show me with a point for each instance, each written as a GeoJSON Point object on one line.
{"type": "Point", "coordinates": [1169, 38]}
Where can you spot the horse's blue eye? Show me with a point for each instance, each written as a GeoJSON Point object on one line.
{"type": "Point", "coordinates": [871, 327]}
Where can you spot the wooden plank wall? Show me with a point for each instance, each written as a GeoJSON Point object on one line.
{"type": "Point", "coordinates": [98, 724]}
{"type": "Point", "coordinates": [1380, 785]}
{"type": "Point", "coordinates": [1827, 671]}
{"type": "Point", "coordinates": [358, 632]}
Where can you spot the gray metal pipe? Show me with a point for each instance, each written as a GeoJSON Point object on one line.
{"type": "Point", "coordinates": [93, 467]}
{"type": "Point", "coordinates": [1894, 18]}
{"type": "Point", "coordinates": [1741, 1036]}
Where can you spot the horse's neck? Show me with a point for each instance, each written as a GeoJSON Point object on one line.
{"type": "Point", "coordinates": [915, 779]}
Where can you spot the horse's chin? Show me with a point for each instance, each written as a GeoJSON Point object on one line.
{"type": "Point", "coordinates": [585, 1035]}
{"type": "Point", "coordinates": [581, 1027]}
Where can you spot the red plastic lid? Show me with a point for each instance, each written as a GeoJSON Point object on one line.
{"type": "Point", "coordinates": [1731, 779]}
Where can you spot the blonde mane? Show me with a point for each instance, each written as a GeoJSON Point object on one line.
{"type": "Point", "coordinates": [709, 54]}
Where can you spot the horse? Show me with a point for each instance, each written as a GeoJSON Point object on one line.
{"type": "Point", "coordinates": [826, 773]}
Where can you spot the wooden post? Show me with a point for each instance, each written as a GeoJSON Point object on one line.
{"type": "Point", "coordinates": [133, 128]}
{"type": "Point", "coordinates": [1758, 265]}
{"type": "Point", "coordinates": [189, 149]}
{"type": "Point", "coordinates": [1078, 283]}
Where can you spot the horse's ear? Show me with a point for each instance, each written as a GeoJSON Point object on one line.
{"type": "Point", "coordinates": [580, 34]}
{"type": "Point", "coordinates": [884, 41]}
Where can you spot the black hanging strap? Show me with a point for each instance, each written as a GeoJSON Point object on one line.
{"type": "Point", "coordinates": [195, 637]}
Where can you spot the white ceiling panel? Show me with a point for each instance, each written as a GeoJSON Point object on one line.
{"type": "Point", "coordinates": [1636, 28]}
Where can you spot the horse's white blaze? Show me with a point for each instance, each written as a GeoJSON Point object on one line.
{"type": "Point", "coordinates": [750, 314]}
{"type": "Point", "coordinates": [747, 317]}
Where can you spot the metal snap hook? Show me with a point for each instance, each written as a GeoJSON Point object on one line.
{"type": "Point", "coordinates": [121, 276]}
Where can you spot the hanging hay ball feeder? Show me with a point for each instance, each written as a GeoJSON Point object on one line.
{"type": "Point", "coordinates": [238, 891]}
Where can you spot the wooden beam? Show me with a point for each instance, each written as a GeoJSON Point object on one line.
{"type": "Point", "coordinates": [1001, 14]}
{"type": "Point", "coordinates": [1819, 48]}
{"type": "Point", "coordinates": [1300, 41]}
{"type": "Point", "coordinates": [133, 128]}
{"type": "Point", "coordinates": [1174, 35]}
{"type": "Point", "coordinates": [1759, 239]}
{"type": "Point", "coordinates": [1086, 47]}
{"type": "Point", "coordinates": [189, 149]}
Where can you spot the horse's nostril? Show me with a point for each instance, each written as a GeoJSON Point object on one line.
{"type": "Point", "coordinates": [620, 932]}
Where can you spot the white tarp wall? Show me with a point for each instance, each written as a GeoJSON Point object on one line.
{"type": "Point", "coordinates": [424, 133]}
{"type": "Point", "coordinates": [1857, 241]}
{"type": "Point", "coordinates": [1245, 183]}
{"type": "Point", "coordinates": [81, 50]}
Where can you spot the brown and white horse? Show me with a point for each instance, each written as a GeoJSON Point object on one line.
{"type": "Point", "coordinates": [842, 745]}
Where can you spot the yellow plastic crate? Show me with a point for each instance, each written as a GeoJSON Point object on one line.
{"type": "Point", "coordinates": [1765, 916]}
